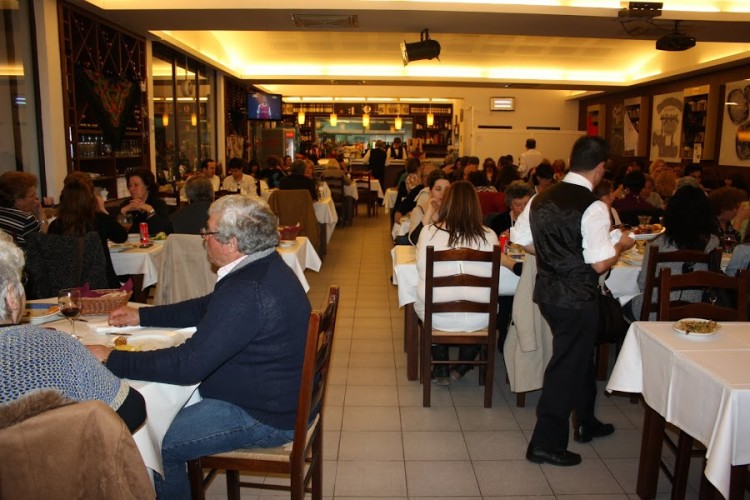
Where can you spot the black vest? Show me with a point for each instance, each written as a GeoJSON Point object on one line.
{"type": "Point", "coordinates": [377, 158]}
{"type": "Point", "coordinates": [397, 154]}
{"type": "Point", "coordinates": [563, 278]}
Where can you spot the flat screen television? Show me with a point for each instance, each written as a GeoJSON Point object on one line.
{"type": "Point", "coordinates": [262, 106]}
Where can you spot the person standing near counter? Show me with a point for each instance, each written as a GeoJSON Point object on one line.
{"type": "Point", "coordinates": [396, 152]}
{"type": "Point", "coordinates": [376, 159]}
{"type": "Point", "coordinates": [568, 230]}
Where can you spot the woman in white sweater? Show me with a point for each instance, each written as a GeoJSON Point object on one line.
{"type": "Point", "coordinates": [458, 225]}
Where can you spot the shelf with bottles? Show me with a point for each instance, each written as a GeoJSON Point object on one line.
{"type": "Point", "coordinates": [635, 127]}
{"type": "Point", "coordinates": [699, 122]}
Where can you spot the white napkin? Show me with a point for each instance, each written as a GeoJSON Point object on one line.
{"type": "Point", "coordinates": [102, 326]}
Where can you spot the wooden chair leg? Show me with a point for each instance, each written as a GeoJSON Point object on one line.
{"type": "Point", "coordinates": [195, 476]}
{"type": "Point", "coordinates": [602, 361]}
{"type": "Point", "coordinates": [682, 465]}
{"type": "Point", "coordinates": [521, 400]}
{"type": "Point", "coordinates": [233, 485]}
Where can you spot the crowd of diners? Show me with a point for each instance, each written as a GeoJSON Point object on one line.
{"type": "Point", "coordinates": [248, 360]}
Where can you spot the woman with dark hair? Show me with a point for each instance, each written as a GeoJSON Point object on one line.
{"type": "Point", "coordinates": [21, 213]}
{"type": "Point", "coordinates": [725, 204]}
{"type": "Point", "coordinates": [490, 171]}
{"type": "Point", "coordinates": [690, 225]}
{"type": "Point", "coordinates": [508, 173]}
{"type": "Point", "coordinates": [458, 225]}
{"type": "Point", "coordinates": [144, 205]}
{"type": "Point", "coordinates": [426, 211]}
{"type": "Point", "coordinates": [543, 176]}
{"type": "Point", "coordinates": [79, 212]}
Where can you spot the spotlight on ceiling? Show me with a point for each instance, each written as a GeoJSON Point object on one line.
{"type": "Point", "coordinates": [425, 48]}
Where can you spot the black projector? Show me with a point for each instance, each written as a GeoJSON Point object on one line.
{"type": "Point", "coordinates": [675, 42]}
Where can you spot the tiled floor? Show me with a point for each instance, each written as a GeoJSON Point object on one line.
{"type": "Point", "coordinates": [380, 441]}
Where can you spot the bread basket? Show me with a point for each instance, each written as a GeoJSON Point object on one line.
{"type": "Point", "coordinates": [109, 299]}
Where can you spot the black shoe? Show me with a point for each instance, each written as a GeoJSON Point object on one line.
{"type": "Point", "coordinates": [585, 433]}
{"type": "Point", "coordinates": [563, 458]}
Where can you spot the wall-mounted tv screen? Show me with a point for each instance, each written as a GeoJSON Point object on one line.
{"type": "Point", "coordinates": [262, 106]}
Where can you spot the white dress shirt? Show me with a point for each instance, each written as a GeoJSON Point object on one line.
{"type": "Point", "coordinates": [531, 158]}
{"type": "Point", "coordinates": [595, 224]}
{"type": "Point", "coordinates": [246, 185]}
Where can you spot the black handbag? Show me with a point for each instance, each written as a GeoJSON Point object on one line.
{"type": "Point", "coordinates": [612, 323]}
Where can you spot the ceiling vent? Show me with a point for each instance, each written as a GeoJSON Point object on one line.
{"type": "Point", "coordinates": [325, 21]}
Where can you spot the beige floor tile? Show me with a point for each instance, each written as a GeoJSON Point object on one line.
{"type": "Point", "coordinates": [624, 443]}
{"type": "Point", "coordinates": [440, 479]}
{"type": "Point", "coordinates": [511, 477]}
{"type": "Point", "coordinates": [333, 416]}
{"type": "Point", "coordinates": [331, 445]}
{"type": "Point", "coordinates": [590, 477]}
{"type": "Point", "coordinates": [370, 445]}
{"type": "Point", "coordinates": [410, 394]}
{"type": "Point", "coordinates": [378, 478]}
{"type": "Point", "coordinates": [429, 419]}
{"type": "Point", "coordinates": [368, 395]}
{"type": "Point", "coordinates": [421, 445]}
{"type": "Point", "coordinates": [371, 418]}
{"type": "Point", "coordinates": [495, 445]}
{"type": "Point", "coordinates": [371, 376]}
{"type": "Point", "coordinates": [371, 360]}
{"type": "Point", "coordinates": [486, 419]}
{"type": "Point", "coordinates": [335, 395]}
{"type": "Point", "coordinates": [367, 345]}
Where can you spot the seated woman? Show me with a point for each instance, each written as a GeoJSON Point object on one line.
{"type": "Point", "coordinates": [21, 212]}
{"type": "Point", "coordinates": [80, 212]}
{"type": "Point", "coordinates": [689, 225]}
{"type": "Point", "coordinates": [458, 225]}
{"type": "Point", "coordinates": [725, 204]}
{"type": "Point", "coordinates": [144, 205]}
{"type": "Point", "coordinates": [517, 195]}
{"type": "Point", "coordinates": [426, 211]}
{"type": "Point", "coordinates": [33, 358]}
{"type": "Point", "coordinates": [632, 205]}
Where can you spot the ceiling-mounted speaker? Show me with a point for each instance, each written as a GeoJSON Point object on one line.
{"type": "Point", "coordinates": [426, 48]}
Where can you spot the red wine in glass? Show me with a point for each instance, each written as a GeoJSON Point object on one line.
{"type": "Point", "coordinates": [69, 301]}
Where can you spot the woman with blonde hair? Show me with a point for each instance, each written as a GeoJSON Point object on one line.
{"type": "Point", "coordinates": [665, 180]}
{"type": "Point", "coordinates": [458, 225]}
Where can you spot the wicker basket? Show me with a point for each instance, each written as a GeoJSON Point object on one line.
{"type": "Point", "coordinates": [103, 305]}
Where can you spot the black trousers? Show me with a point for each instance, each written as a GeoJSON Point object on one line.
{"type": "Point", "coordinates": [569, 382]}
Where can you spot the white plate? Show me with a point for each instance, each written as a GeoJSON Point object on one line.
{"type": "Point", "coordinates": [679, 328]}
{"type": "Point", "coordinates": [647, 237]}
{"type": "Point", "coordinates": [120, 247]}
{"type": "Point", "coordinates": [38, 313]}
{"type": "Point", "coordinates": [286, 243]}
{"type": "Point", "coordinates": [151, 341]}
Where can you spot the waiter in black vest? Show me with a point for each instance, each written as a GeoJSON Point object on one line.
{"type": "Point", "coordinates": [569, 231]}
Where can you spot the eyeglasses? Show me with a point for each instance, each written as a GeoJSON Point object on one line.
{"type": "Point", "coordinates": [205, 233]}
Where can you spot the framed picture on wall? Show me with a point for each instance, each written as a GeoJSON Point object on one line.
{"type": "Point", "coordinates": [666, 128]}
{"type": "Point", "coordinates": [735, 130]}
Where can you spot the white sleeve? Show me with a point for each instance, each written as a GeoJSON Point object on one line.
{"type": "Point", "coordinates": [595, 225]}
{"type": "Point", "coordinates": [520, 233]}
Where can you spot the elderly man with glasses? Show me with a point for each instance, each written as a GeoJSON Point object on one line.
{"type": "Point", "coordinates": [247, 352]}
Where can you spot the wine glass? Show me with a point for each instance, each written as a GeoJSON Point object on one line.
{"type": "Point", "coordinates": [125, 220]}
{"type": "Point", "coordinates": [644, 219]}
{"type": "Point", "coordinates": [69, 301]}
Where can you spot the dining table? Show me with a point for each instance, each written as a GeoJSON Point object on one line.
{"type": "Point", "coordinates": [299, 255]}
{"type": "Point", "coordinates": [142, 264]}
{"type": "Point", "coordinates": [163, 401]}
{"type": "Point", "coordinates": [389, 199]}
{"type": "Point", "coordinates": [699, 383]}
{"type": "Point", "coordinates": [325, 213]}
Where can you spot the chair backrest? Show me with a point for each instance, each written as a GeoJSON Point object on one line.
{"type": "Point", "coordinates": [320, 331]}
{"type": "Point", "coordinates": [734, 286]}
{"type": "Point", "coordinates": [711, 259]}
{"type": "Point", "coordinates": [464, 279]}
{"type": "Point", "coordinates": [223, 192]}
{"type": "Point", "coordinates": [172, 199]}
{"type": "Point", "coordinates": [185, 272]}
{"type": "Point", "coordinates": [296, 206]}
{"type": "Point", "coordinates": [336, 185]}
{"type": "Point", "coordinates": [361, 179]}
{"type": "Point", "coordinates": [58, 261]}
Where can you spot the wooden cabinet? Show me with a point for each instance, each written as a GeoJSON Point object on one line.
{"type": "Point", "coordinates": [635, 127]}
{"type": "Point", "coordinates": [699, 123]}
{"type": "Point", "coordinates": [104, 89]}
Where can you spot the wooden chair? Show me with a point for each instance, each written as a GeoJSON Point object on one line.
{"type": "Point", "coordinates": [223, 192]}
{"type": "Point", "coordinates": [302, 459]}
{"type": "Point", "coordinates": [294, 206]}
{"type": "Point", "coordinates": [336, 185]}
{"type": "Point", "coordinates": [364, 190]}
{"type": "Point", "coordinates": [736, 286]}
{"type": "Point", "coordinates": [486, 338]}
{"type": "Point", "coordinates": [711, 259]}
{"type": "Point", "coordinates": [171, 198]}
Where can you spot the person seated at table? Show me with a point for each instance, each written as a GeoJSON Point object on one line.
{"type": "Point", "coordinates": [144, 205]}
{"type": "Point", "coordinates": [79, 212]}
{"type": "Point", "coordinates": [208, 169]}
{"type": "Point", "coordinates": [21, 213]}
{"type": "Point", "coordinates": [631, 206]}
{"type": "Point", "coordinates": [457, 225]}
{"type": "Point", "coordinates": [273, 172]}
{"type": "Point", "coordinates": [517, 195]}
{"type": "Point", "coordinates": [426, 212]}
{"type": "Point", "coordinates": [492, 202]}
{"type": "Point", "coordinates": [238, 181]}
{"type": "Point", "coordinates": [507, 174]}
{"type": "Point", "coordinates": [650, 195]}
{"type": "Point", "coordinates": [543, 176]}
{"type": "Point", "coordinates": [333, 169]}
{"type": "Point", "coordinates": [605, 191]}
{"type": "Point", "coordinates": [664, 178]}
{"type": "Point", "coordinates": [409, 180]}
{"type": "Point", "coordinates": [689, 225]}
{"type": "Point", "coordinates": [248, 359]}
{"type": "Point", "coordinates": [192, 218]}
{"type": "Point", "coordinates": [725, 205]}
{"type": "Point", "coordinates": [298, 180]}
{"type": "Point", "coordinates": [34, 358]}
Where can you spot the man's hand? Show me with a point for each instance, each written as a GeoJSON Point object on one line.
{"type": "Point", "coordinates": [100, 352]}
{"type": "Point", "coordinates": [124, 316]}
{"type": "Point", "coordinates": [626, 241]}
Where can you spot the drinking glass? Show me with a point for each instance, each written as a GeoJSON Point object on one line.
{"type": "Point", "coordinates": [644, 219]}
{"type": "Point", "coordinates": [69, 301]}
{"type": "Point", "coordinates": [728, 243]}
{"type": "Point", "coordinates": [125, 220]}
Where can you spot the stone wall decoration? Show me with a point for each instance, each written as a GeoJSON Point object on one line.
{"type": "Point", "coordinates": [666, 127]}
{"type": "Point", "coordinates": [735, 131]}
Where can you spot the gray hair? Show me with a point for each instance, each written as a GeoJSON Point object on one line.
{"type": "Point", "coordinates": [686, 181]}
{"type": "Point", "coordinates": [249, 219]}
{"type": "Point", "coordinates": [11, 265]}
{"type": "Point", "coordinates": [298, 167]}
{"type": "Point", "coordinates": [199, 188]}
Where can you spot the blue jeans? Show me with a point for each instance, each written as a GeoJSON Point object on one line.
{"type": "Point", "coordinates": [211, 426]}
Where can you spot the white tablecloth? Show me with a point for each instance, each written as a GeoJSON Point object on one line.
{"type": "Point", "coordinates": [375, 187]}
{"type": "Point", "coordinates": [325, 212]}
{"type": "Point", "coordinates": [389, 200]}
{"type": "Point", "coordinates": [300, 256]}
{"type": "Point", "coordinates": [351, 191]}
{"type": "Point", "coordinates": [702, 385]}
{"type": "Point", "coordinates": [145, 261]}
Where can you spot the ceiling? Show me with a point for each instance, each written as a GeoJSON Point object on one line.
{"type": "Point", "coordinates": [560, 44]}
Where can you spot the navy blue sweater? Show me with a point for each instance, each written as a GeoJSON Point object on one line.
{"type": "Point", "coordinates": [248, 348]}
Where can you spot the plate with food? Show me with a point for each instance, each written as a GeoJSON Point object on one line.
{"type": "Point", "coordinates": [645, 232]}
{"type": "Point", "coordinates": [147, 341]}
{"type": "Point", "coordinates": [287, 243]}
{"type": "Point", "coordinates": [696, 328]}
{"type": "Point", "coordinates": [38, 313]}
